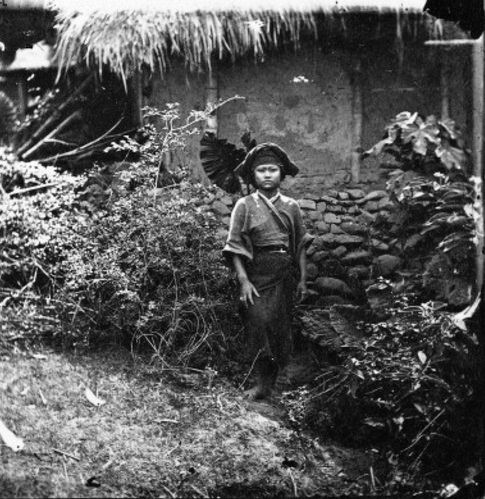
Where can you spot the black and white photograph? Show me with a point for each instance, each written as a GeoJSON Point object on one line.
{"type": "Point", "coordinates": [241, 249]}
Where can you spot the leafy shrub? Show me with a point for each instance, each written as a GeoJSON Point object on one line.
{"type": "Point", "coordinates": [435, 204]}
{"type": "Point", "coordinates": [144, 267]}
{"type": "Point", "coordinates": [38, 218]}
{"type": "Point", "coordinates": [406, 385]}
{"type": "Point", "coordinates": [39, 221]}
{"type": "Point", "coordinates": [118, 258]}
{"type": "Point", "coordinates": [165, 133]}
{"type": "Point", "coordinates": [153, 274]}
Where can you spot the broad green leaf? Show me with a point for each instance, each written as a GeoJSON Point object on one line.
{"type": "Point", "coordinates": [451, 157]}
{"type": "Point", "coordinates": [379, 147]}
{"type": "Point", "coordinates": [450, 128]}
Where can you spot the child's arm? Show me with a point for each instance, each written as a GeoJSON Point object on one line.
{"type": "Point", "coordinates": [247, 288]}
{"type": "Point", "coordinates": [301, 289]}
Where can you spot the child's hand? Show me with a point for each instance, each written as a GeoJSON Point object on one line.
{"type": "Point", "coordinates": [248, 292]}
{"type": "Point", "coordinates": [301, 291]}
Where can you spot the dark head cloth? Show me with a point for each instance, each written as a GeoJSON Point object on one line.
{"type": "Point", "coordinates": [265, 153]}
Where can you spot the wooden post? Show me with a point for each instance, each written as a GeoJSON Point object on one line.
{"type": "Point", "coordinates": [478, 115]}
{"type": "Point", "coordinates": [356, 85]}
{"type": "Point", "coordinates": [136, 99]}
{"type": "Point", "coordinates": [212, 98]}
{"type": "Point", "coordinates": [211, 125]}
{"type": "Point", "coordinates": [445, 86]}
{"type": "Point", "coordinates": [22, 95]}
{"type": "Point", "coordinates": [477, 143]}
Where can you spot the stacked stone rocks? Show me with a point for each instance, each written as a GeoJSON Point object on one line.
{"type": "Point", "coordinates": [220, 204]}
{"type": "Point", "coordinates": [348, 253]}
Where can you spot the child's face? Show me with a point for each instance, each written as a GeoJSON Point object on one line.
{"type": "Point", "coordinates": [267, 177]}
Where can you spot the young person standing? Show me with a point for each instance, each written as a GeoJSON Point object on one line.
{"type": "Point", "coordinates": [266, 246]}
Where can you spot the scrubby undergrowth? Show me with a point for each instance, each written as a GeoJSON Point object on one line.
{"type": "Point", "coordinates": [407, 385]}
{"type": "Point", "coordinates": [137, 265]}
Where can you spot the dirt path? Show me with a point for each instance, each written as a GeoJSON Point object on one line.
{"type": "Point", "coordinates": [156, 436]}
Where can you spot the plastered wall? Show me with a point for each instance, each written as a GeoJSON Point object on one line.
{"type": "Point", "coordinates": [303, 101]}
{"type": "Point", "coordinates": [300, 101]}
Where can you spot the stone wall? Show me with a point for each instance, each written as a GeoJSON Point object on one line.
{"type": "Point", "coordinates": [348, 253]}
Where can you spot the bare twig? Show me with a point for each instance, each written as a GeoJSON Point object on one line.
{"type": "Point", "coordinates": [168, 491]}
{"type": "Point", "coordinates": [372, 478]}
{"type": "Point", "coordinates": [82, 148]}
{"type": "Point", "coordinates": [44, 401]}
{"type": "Point", "coordinates": [33, 188]}
{"type": "Point", "coordinates": [293, 482]}
{"type": "Point", "coordinates": [62, 453]}
{"type": "Point", "coordinates": [59, 141]}
{"type": "Point", "coordinates": [57, 113]}
{"type": "Point", "coordinates": [209, 110]}
{"type": "Point", "coordinates": [65, 468]}
{"type": "Point", "coordinates": [101, 137]}
{"type": "Point", "coordinates": [421, 433]}
{"type": "Point", "coordinates": [250, 369]}
{"type": "Point", "coordinates": [19, 293]}
{"type": "Point", "coordinates": [195, 489]}
{"type": "Point", "coordinates": [3, 192]}
{"type": "Point", "coordinates": [74, 116]}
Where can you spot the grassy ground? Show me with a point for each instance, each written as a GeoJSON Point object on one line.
{"type": "Point", "coordinates": [162, 435]}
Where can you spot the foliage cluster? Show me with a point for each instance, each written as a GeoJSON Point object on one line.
{"type": "Point", "coordinates": [39, 220]}
{"type": "Point", "coordinates": [407, 383]}
{"type": "Point", "coordinates": [435, 203]}
{"type": "Point", "coordinates": [405, 386]}
{"type": "Point", "coordinates": [163, 135]}
{"type": "Point", "coordinates": [152, 273]}
{"type": "Point", "coordinates": [124, 252]}
{"type": "Point", "coordinates": [145, 266]}
{"type": "Point", "coordinates": [37, 217]}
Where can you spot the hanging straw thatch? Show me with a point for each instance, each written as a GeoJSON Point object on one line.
{"type": "Point", "coordinates": [126, 35]}
{"type": "Point", "coordinates": [127, 40]}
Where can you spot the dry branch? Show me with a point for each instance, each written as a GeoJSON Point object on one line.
{"type": "Point", "coordinates": [85, 147]}
{"type": "Point", "coordinates": [33, 188]}
{"type": "Point", "coordinates": [66, 454]}
{"type": "Point", "coordinates": [74, 116]}
{"type": "Point", "coordinates": [57, 113]}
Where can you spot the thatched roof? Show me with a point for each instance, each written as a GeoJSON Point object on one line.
{"type": "Point", "coordinates": [126, 35]}
{"type": "Point", "coordinates": [190, 6]}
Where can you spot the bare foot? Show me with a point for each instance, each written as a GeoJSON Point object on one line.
{"type": "Point", "coordinates": [257, 393]}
